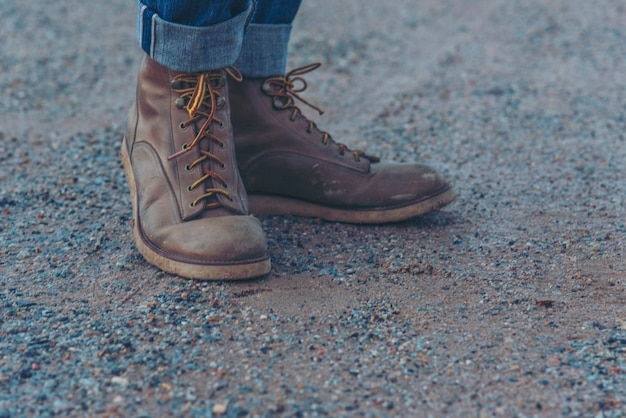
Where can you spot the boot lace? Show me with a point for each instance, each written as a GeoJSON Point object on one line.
{"type": "Point", "coordinates": [286, 90]}
{"type": "Point", "coordinates": [200, 96]}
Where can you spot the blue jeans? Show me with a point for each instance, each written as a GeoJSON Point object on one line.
{"type": "Point", "coordinates": [194, 35]}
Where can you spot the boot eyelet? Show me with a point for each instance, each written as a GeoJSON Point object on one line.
{"type": "Point", "coordinates": [187, 167]}
{"type": "Point", "coordinates": [191, 205]}
{"type": "Point", "coordinates": [223, 166]}
{"type": "Point", "coordinates": [189, 189]}
{"type": "Point", "coordinates": [180, 103]}
{"type": "Point", "coordinates": [278, 104]}
{"type": "Point", "coordinates": [221, 145]}
{"type": "Point", "coordinates": [182, 126]}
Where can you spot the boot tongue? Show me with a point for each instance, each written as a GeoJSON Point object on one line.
{"type": "Point", "coordinates": [213, 191]}
{"type": "Point", "coordinates": [206, 161]}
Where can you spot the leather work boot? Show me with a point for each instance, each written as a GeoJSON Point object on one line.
{"type": "Point", "coordinates": [289, 166]}
{"type": "Point", "coordinates": [189, 203]}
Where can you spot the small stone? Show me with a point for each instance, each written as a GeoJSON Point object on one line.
{"type": "Point", "coordinates": [120, 381]}
{"type": "Point", "coordinates": [220, 408]}
{"type": "Point", "coordinates": [190, 395]}
{"type": "Point", "coordinates": [24, 254]}
{"type": "Point", "coordinates": [60, 406]}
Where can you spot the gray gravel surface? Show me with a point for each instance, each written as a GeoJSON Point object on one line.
{"type": "Point", "coordinates": [510, 302]}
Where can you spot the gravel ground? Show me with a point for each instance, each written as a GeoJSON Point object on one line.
{"type": "Point", "coordinates": [510, 302]}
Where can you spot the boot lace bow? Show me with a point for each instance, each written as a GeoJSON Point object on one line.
{"type": "Point", "coordinates": [286, 90]}
{"type": "Point", "coordinates": [199, 95]}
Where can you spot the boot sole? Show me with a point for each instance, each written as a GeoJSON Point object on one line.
{"type": "Point", "coordinates": [239, 271]}
{"type": "Point", "coordinates": [280, 205]}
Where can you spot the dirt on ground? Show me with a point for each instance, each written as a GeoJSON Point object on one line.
{"type": "Point", "coordinates": [509, 302]}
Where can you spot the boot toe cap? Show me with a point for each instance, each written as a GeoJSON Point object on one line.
{"type": "Point", "coordinates": [223, 240]}
{"type": "Point", "coordinates": [404, 182]}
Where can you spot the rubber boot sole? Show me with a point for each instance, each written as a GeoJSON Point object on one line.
{"type": "Point", "coordinates": [279, 205]}
{"type": "Point", "coordinates": [239, 271]}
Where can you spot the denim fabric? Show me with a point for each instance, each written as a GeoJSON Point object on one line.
{"type": "Point", "coordinates": [191, 48]}
{"type": "Point", "coordinates": [196, 12]}
{"type": "Point", "coordinates": [193, 35]}
{"type": "Point", "coordinates": [276, 11]}
{"type": "Point", "coordinates": [264, 49]}
{"type": "Point", "coordinates": [210, 12]}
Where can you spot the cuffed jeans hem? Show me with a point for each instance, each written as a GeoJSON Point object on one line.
{"type": "Point", "coordinates": [189, 48]}
{"type": "Point", "coordinates": [264, 50]}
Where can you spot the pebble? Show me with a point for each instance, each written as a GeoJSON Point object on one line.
{"type": "Point", "coordinates": [120, 381]}
{"type": "Point", "coordinates": [60, 406]}
{"type": "Point", "coordinates": [448, 313]}
{"type": "Point", "coordinates": [220, 408]}
{"type": "Point", "coordinates": [23, 254]}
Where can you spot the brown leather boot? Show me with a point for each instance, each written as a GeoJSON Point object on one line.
{"type": "Point", "coordinates": [189, 204]}
{"type": "Point", "coordinates": [289, 166]}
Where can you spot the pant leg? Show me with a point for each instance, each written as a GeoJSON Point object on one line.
{"type": "Point", "coordinates": [196, 12]}
{"type": "Point", "coordinates": [264, 49]}
{"type": "Point", "coordinates": [193, 35]}
{"type": "Point", "coordinates": [275, 12]}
